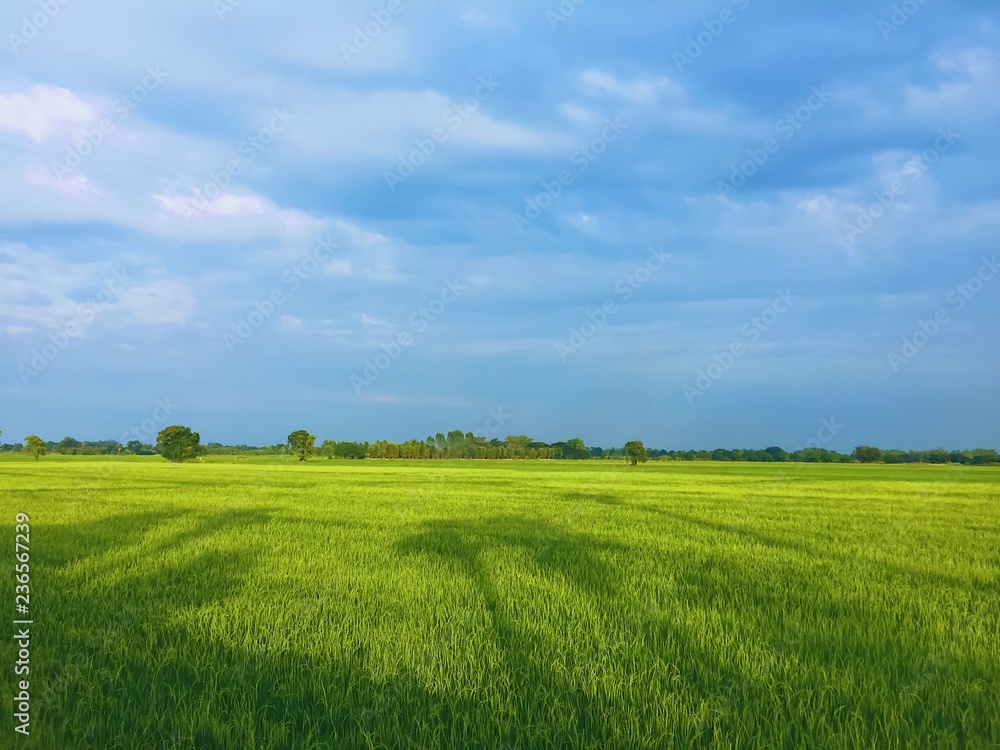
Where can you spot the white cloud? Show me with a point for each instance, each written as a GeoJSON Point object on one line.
{"type": "Point", "coordinates": [383, 124]}
{"type": "Point", "coordinates": [167, 301]}
{"type": "Point", "coordinates": [228, 205]}
{"type": "Point", "coordinates": [37, 288]}
{"type": "Point", "coordinates": [637, 90]}
{"type": "Point", "coordinates": [43, 112]}
{"type": "Point", "coordinates": [974, 80]}
{"type": "Point", "coordinates": [339, 268]}
{"type": "Point", "coordinates": [71, 185]}
{"type": "Point", "coordinates": [580, 114]}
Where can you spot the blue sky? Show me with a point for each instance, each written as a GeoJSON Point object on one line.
{"type": "Point", "coordinates": [699, 225]}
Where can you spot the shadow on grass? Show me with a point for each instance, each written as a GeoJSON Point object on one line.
{"type": "Point", "coordinates": [803, 545]}
{"type": "Point", "coordinates": [601, 498]}
{"type": "Point", "coordinates": [117, 668]}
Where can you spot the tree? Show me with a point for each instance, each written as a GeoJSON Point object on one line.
{"type": "Point", "coordinates": [575, 449]}
{"type": "Point", "coordinates": [938, 456]}
{"type": "Point", "coordinates": [178, 443]}
{"type": "Point", "coordinates": [866, 454]}
{"type": "Point", "coordinates": [635, 452]}
{"type": "Point", "coordinates": [518, 445]}
{"type": "Point", "coordinates": [327, 448]}
{"type": "Point", "coordinates": [302, 444]}
{"type": "Point", "coordinates": [777, 453]}
{"type": "Point", "coordinates": [351, 450]}
{"type": "Point", "coordinates": [35, 446]}
{"type": "Point", "coordinates": [68, 446]}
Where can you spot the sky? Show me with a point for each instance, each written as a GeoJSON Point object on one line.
{"type": "Point", "coordinates": [699, 225]}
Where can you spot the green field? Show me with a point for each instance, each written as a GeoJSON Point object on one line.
{"type": "Point", "coordinates": [497, 604]}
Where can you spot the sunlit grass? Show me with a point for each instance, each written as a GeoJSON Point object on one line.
{"type": "Point", "coordinates": [475, 604]}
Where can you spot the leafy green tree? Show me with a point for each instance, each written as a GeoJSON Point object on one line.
{"type": "Point", "coordinates": [351, 450]}
{"type": "Point", "coordinates": [518, 445]}
{"type": "Point", "coordinates": [777, 453]}
{"type": "Point", "coordinates": [35, 446]}
{"type": "Point", "coordinates": [985, 457]}
{"type": "Point", "coordinates": [327, 448]}
{"type": "Point", "coordinates": [178, 443]}
{"type": "Point", "coordinates": [938, 456]}
{"type": "Point", "coordinates": [67, 446]}
{"type": "Point", "coordinates": [574, 448]}
{"type": "Point", "coordinates": [635, 452]}
{"type": "Point", "coordinates": [866, 454]}
{"type": "Point", "coordinates": [302, 444]}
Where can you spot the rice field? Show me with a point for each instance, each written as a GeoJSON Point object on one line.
{"type": "Point", "coordinates": [505, 605]}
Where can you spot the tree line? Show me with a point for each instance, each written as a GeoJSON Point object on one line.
{"type": "Point", "coordinates": [180, 443]}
